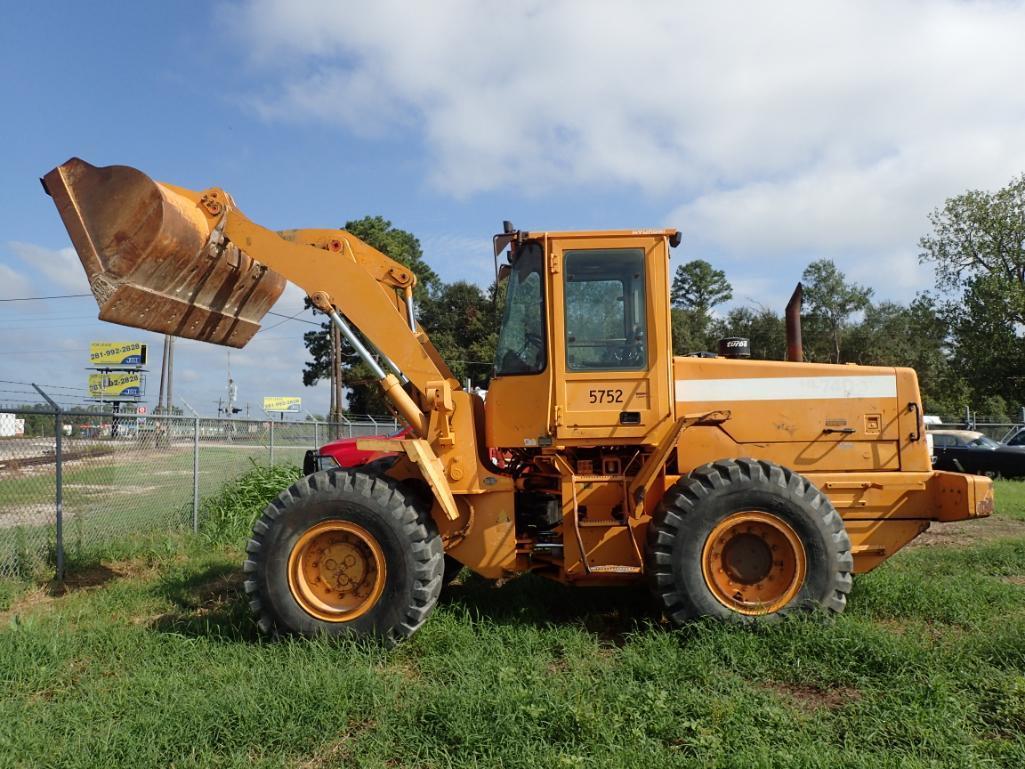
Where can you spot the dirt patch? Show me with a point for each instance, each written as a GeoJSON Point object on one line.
{"type": "Point", "coordinates": [31, 514]}
{"type": "Point", "coordinates": [971, 532]}
{"type": "Point", "coordinates": [933, 631]}
{"type": "Point", "coordinates": [1015, 579]}
{"type": "Point", "coordinates": [81, 578]}
{"type": "Point", "coordinates": [89, 576]}
{"type": "Point", "coordinates": [26, 602]}
{"type": "Point", "coordinates": [812, 698]}
{"type": "Point", "coordinates": [338, 752]}
{"type": "Point", "coordinates": [218, 591]}
{"type": "Point", "coordinates": [108, 488]}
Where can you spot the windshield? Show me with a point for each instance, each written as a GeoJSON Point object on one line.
{"type": "Point", "coordinates": [521, 345]}
{"type": "Point", "coordinates": [982, 442]}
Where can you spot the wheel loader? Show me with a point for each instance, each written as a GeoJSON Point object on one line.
{"type": "Point", "coordinates": [734, 488]}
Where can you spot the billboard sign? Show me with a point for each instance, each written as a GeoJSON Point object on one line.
{"type": "Point", "coordinates": [282, 404]}
{"type": "Point", "coordinates": [126, 385]}
{"type": "Point", "coordinates": [104, 354]}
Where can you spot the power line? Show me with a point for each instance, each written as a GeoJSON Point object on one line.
{"type": "Point", "coordinates": [292, 317]}
{"type": "Point", "coordinates": [40, 298]}
{"type": "Point", "coordinates": [286, 319]}
{"type": "Point", "coordinates": [53, 386]}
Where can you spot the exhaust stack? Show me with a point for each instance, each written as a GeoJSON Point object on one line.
{"type": "Point", "coordinates": [151, 262]}
{"type": "Point", "coordinates": [795, 348]}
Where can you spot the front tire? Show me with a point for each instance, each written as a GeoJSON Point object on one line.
{"type": "Point", "coordinates": [749, 541]}
{"type": "Point", "coordinates": [344, 553]}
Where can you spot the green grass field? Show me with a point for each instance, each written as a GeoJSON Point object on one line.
{"type": "Point", "coordinates": [150, 660]}
{"type": "Point", "coordinates": [114, 496]}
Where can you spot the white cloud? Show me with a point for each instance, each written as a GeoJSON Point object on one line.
{"type": "Point", "coordinates": [809, 128]}
{"type": "Point", "coordinates": [13, 284]}
{"type": "Point", "coordinates": [61, 267]}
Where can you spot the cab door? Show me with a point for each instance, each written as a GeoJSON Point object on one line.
{"type": "Point", "coordinates": [610, 336]}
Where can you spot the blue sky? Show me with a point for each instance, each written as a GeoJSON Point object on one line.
{"type": "Point", "coordinates": [771, 135]}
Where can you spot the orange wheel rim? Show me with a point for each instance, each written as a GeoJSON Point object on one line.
{"type": "Point", "coordinates": [336, 571]}
{"type": "Point", "coordinates": [753, 562]}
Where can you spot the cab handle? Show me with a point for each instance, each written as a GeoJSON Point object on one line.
{"type": "Point", "coordinates": [917, 434]}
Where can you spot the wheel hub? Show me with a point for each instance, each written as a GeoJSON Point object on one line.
{"type": "Point", "coordinates": [336, 571]}
{"type": "Point", "coordinates": [753, 562]}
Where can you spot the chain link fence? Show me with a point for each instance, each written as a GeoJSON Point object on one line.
{"type": "Point", "coordinates": [73, 479]}
{"type": "Point", "coordinates": [999, 428]}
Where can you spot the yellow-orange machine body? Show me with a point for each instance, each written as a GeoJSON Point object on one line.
{"type": "Point", "coordinates": [593, 417]}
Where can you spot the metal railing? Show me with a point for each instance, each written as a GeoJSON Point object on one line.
{"type": "Point", "coordinates": [72, 479]}
{"type": "Point", "coordinates": [999, 428]}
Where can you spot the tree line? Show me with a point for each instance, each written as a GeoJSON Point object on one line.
{"type": "Point", "coordinates": [963, 335]}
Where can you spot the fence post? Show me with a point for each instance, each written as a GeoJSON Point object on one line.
{"type": "Point", "coordinates": [271, 443]}
{"type": "Point", "coordinates": [316, 436]}
{"type": "Point", "coordinates": [195, 477]}
{"type": "Point", "coordinates": [58, 440]}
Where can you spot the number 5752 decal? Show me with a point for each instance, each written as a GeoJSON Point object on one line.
{"type": "Point", "coordinates": [605, 396]}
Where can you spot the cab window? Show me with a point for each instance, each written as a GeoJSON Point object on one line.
{"type": "Point", "coordinates": [606, 322]}
{"type": "Point", "coordinates": [521, 345]}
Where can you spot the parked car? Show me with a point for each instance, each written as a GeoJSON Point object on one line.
{"type": "Point", "coordinates": [968, 451]}
{"type": "Point", "coordinates": [344, 453]}
{"type": "Point", "coordinates": [1016, 437]}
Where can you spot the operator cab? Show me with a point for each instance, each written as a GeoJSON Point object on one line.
{"type": "Point", "coordinates": [584, 348]}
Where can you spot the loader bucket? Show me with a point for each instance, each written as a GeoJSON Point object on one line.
{"type": "Point", "coordinates": [146, 251]}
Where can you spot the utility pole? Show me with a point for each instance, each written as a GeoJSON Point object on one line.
{"type": "Point", "coordinates": [170, 373]}
{"type": "Point", "coordinates": [163, 377]}
{"type": "Point", "coordinates": [230, 410]}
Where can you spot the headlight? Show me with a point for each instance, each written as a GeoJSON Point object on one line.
{"type": "Point", "coordinates": [326, 462]}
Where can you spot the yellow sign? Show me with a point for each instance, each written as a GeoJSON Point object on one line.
{"type": "Point", "coordinates": [282, 404]}
{"type": "Point", "coordinates": [117, 354]}
{"type": "Point", "coordinates": [122, 384]}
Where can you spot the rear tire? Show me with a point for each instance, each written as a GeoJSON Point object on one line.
{"type": "Point", "coordinates": [749, 541]}
{"type": "Point", "coordinates": [344, 553]}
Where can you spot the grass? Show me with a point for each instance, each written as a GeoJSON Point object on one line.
{"type": "Point", "coordinates": [227, 516]}
{"type": "Point", "coordinates": [151, 660]}
{"type": "Point", "coordinates": [107, 497]}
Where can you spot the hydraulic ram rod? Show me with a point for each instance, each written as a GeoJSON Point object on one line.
{"type": "Point", "coordinates": [389, 382]}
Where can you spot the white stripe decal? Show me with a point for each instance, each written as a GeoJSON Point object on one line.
{"type": "Point", "coordinates": [796, 388]}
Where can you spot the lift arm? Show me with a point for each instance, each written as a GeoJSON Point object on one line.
{"type": "Point", "coordinates": [169, 259]}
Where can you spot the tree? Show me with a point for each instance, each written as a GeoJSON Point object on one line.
{"type": "Point", "coordinates": [764, 329]}
{"type": "Point", "coordinates": [977, 250]}
{"type": "Point", "coordinates": [463, 324]}
{"type": "Point", "coordinates": [916, 335]}
{"type": "Point", "coordinates": [689, 332]}
{"type": "Point", "coordinates": [986, 342]}
{"type": "Point", "coordinates": [830, 301]}
{"type": "Point", "coordinates": [698, 286]}
{"type": "Point", "coordinates": [981, 235]}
